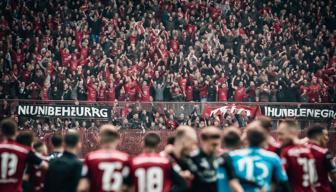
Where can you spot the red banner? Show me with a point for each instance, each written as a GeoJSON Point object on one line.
{"type": "Point", "coordinates": [250, 111]}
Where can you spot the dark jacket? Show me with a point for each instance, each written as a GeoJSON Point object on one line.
{"type": "Point", "coordinates": [63, 174]}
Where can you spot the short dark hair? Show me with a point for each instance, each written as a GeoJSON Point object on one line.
{"type": "Point", "coordinates": [315, 130]}
{"type": "Point", "coordinates": [171, 140]}
{"type": "Point", "coordinates": [25, 138]}
{"type": "Point", "coordinates": [152, 140]}
{"type": "Point", "coordinates": [255, 137]}
{"type": "Point", "coordinates": [8, 127]}
{"type": "Point", "coordinates": [57, 140]}
{"type": "Point", "coordinates": [265, 122]}
{"type": "Point", "coordinates": [71, 139]}
{"type": "Point", "coordinates": [37, 145]}
{"type": "Point", "coordinates": [231, 139]}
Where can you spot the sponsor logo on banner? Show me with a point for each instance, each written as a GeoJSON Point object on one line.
{"type": "Point", "coordinates": [73, 111]}
{"type": "Point", "coordinates": [298, 112]}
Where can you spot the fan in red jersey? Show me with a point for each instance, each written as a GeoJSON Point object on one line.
{"type": "Point", "coordinates": [14, 157]}
{"type": "Point", "coordinates": [298, 159]}
{"type": "Point", "coordinates": [151, 172]}
{"type": "Point", "coordinates": [106, 168]}
{"type": "Point", "coordinates": [318, 140]}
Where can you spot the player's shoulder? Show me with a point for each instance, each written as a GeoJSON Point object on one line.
{"type": "Point", "coordinates": [152, 158]}
{"type": "Point", "coordinates": [267, 153]}
{"type": "Point", "coordinates": [240, 152]}
{"type": "Point", "coordinates": [107, 154]}
{"type": "Point", "coordinates": [14, 146]}
{"type": "Point", "coordinates": [296, 150]}
{"type": "Point", "coordinates": [317, 148]}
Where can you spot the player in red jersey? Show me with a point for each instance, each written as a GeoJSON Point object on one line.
{"type": "Point", "coordinates": [151, 172]}
{"type": "Point", "coordinates": [106, 168]}
{"type": "Point", "coordinates": [271, 144]}
{"type": "Point", "coordinates": [13, 158]}
{"type": "Point", "coordinates": [37, 175]}
{"type": "Point", "coordinates": [318, 140]}
{"type": "Point", "coordinates": [298, 159]}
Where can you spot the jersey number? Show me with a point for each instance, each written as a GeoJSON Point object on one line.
{"type": "Point", "coordinates": [112, 179]}
{"type": "Point", "coordinates": [309, 173]}
{"type": "Point", "coordinates": [150, 180]}
{"type": "Point", "coordinates": [249, 165]}
{"type": "Point", "coordinates": [9, 163]}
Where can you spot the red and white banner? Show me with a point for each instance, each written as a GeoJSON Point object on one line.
{"type": "Point", "coordinates": [250, 111]}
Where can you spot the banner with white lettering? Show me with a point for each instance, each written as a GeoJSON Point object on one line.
{"type": "Point", "coordinates": [299, 111]}
{"type": "Point", "coordinates": [66, 111]}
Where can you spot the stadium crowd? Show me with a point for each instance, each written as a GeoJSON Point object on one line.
{"type": "Point", "coordinates": [214, 161]}
{"type": "Point", "coordinates": [156, 50]}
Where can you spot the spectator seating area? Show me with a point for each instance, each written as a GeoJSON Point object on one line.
{"type": "Point", "coordinates": [176, 50]}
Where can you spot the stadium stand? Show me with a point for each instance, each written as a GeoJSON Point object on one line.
{"type": "Point", "coordinates": [168, 50]}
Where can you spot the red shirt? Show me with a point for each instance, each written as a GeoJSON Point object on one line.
{"type": "Point", "coordinates": [13, 159]}
{"type": "Point", "coordinates": [189, 93]}
{"type": "Point", "coordinates": [324, 165]}
{"type": "Point", "coordinates": [314, 92]}
{"type": "Point", "coordinates": [152, 172]}
{"type": "Point", "coordinates": [273, 146]}
{"type": "Point", "coordinates": [38, 178]}
{"type": "Point", "coordinates": [132, 39]}
{"type": "Point", "coordinates": [304, 88]}
{"type": "Point", "coordinates": [110, 92]}
{"type": "Point", "coordinates": [240, 93]}
{"type": "Point", "coordinates": [222, 94]}
{"type": "Point", "coordinates": [101, 94]}
{"type": "Point", "coordinates": [299, 164]}
{"type": "Point", "coordinates": [171, 124]}
{"type": "Point", "coordinates": [84, 51]}
{"type": "Point", "coordinates": [191, 28]}
{"type": "Point", "coordinates": [92, 94]}
{"type": "Point", "coordinates": [65, 58]}
{"type": "Point", "coordinates": [73, 64]}
{"type": "Point", "coordinates": [183, 84]}
{"type": "Point", "coordinates": [174, 44]}
{"type": "Point", "coordinates": [18, 58]}
{"type": "Point", "coordinates": [106, 169]}
{"type": "Point", "coordinates": [145, 93]}
{"type": "Point", "coordinates": [26, 75]}
{"type": "Point", "coordinates": [132, 94]}
{"type": "Point", "coordinates": [44, 93]}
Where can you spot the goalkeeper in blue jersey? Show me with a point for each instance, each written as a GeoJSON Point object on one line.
{"type": "Point", "coordinates": [255, 166]}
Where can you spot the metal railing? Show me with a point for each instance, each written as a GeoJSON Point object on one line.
{"type": "Point", "coordinates": [163, 117]}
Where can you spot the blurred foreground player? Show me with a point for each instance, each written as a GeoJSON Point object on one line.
{"type": "Point", "coordinates": [64, 172]}
{"type": "Point", "coordinates": [271, 144]}
{"type": "Point", "coordinates": [152, 172]}
{"type": "Point", "coordinates": [226, 177]}
{"type": "Point", "coordinates": [57, 147]}
{"type": "Point", "coordinates": [203, 163]}
{"type": "Point", "coordinates": [106, 168]}
{"type": "Point", "coordinates": [255, 166]}
{"type": "Point", "coordinates": [297, 159]}
{"type": "Point", "coordinates": [37, 175]}
{"type": "Point", "coordinates": [14, 157]}
{"type": "Point", "coordinates": [318, 140]}
{"type": "Point", "coordinates": [185, 141]}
